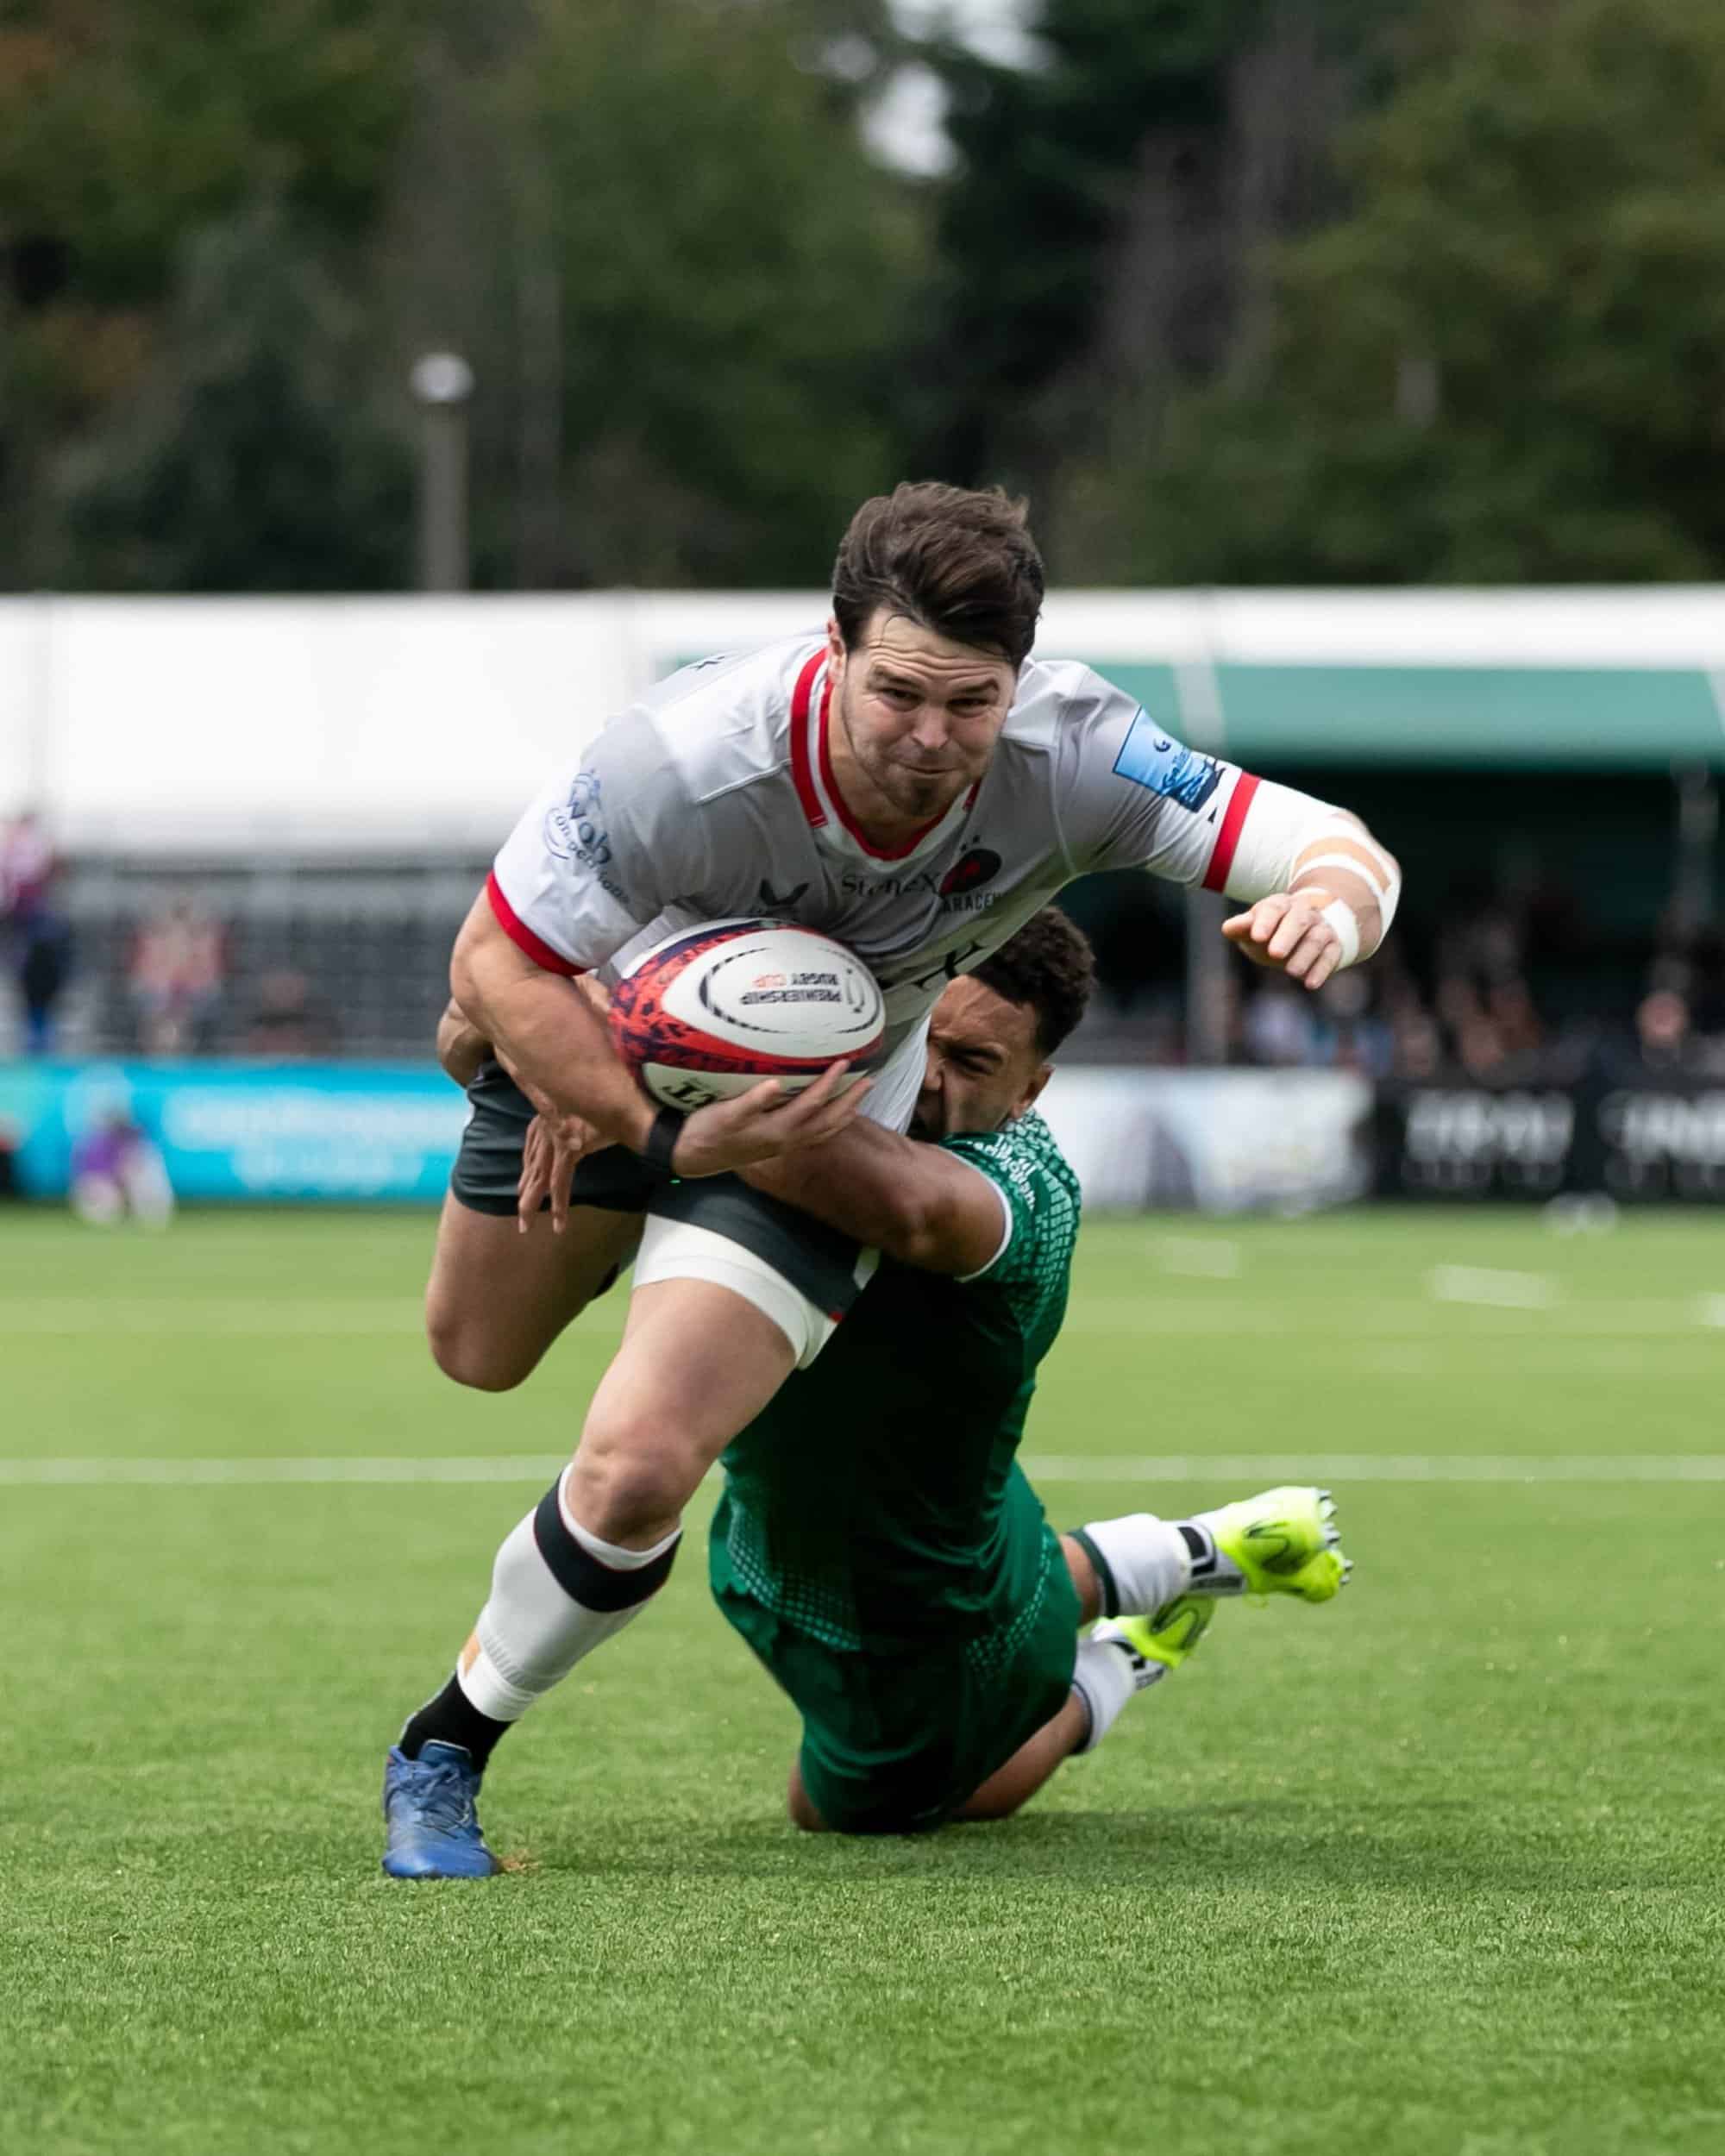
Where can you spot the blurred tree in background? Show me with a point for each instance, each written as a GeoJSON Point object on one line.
{"type": "Point", "coordinates": [1103, 246]}
{"type": "Point", "coordinates": [720, 280]}
{"type": "Point", "coordinates": [1507, 362]}
{"type": "Point", "coordinates": [127, 135]}
{"type": "Point", "coordinates": [1240, 290]}
{"type": "Point", "coordinates": [651, 225]}
{"type": "Point", "coordinates": [249, 458]}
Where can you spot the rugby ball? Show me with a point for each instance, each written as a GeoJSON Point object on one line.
{"type": "Point", "coordinates": [712, 1011]}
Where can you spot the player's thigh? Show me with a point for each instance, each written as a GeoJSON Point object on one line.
{"type": "Point", "coordinates": [697, 1364]}
{"type": "Point", "coordinates": [497, 1298]}
{"type": "Point", "coordinates": [732, 1292]}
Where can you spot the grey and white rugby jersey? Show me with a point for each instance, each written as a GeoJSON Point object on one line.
{"type": "Point", "coordinates": [713, 797]}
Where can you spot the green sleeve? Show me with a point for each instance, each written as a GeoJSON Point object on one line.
{"type": "Point", "coordinates": [1041, 1194]}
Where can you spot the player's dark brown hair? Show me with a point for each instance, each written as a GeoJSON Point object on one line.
{"type": "Point", "coordinates": [1048, 967]}
{"type": "Point", "coordinates": [958, 561]}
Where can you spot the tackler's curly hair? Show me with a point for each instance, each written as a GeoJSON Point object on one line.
{"type": "Point", "coordinates": [1049, 968]}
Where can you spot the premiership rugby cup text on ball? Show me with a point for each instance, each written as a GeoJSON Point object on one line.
{"type": "Point", "coordinates": [712, 1011]}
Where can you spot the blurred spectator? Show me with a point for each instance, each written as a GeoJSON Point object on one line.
{"type": "Point", "coordinates": [175, 981]}
{"type": "Point", "coordinates": [1662, 1028]}
{"type": "Point", "coordinates": [36, 937]}
{"type": "Point", "coordinates": [1480, 1049]}
{"type": "Point", "coordinates": [11, 1186]}
{"type": "Point", "coordinates": [1510, 1006]}
{"type": "Point", "coordinates": [117, 1169]}
{"type": "Point", "coordinates": [1279, 1028]}
{"type": "Point", "coordinates": [1418, 1049]}
{"type": "Point", "coordinates": [288, 1020]}
{"type": "Point", "coordinates": [1349, 1035]}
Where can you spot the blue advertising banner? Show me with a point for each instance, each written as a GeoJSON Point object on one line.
{"type": "Point", "coordinates": [357, 1132]}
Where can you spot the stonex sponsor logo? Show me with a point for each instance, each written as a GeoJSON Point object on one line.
{"type": "Point", "coordinates": [862, 887]}
{"type": "Point", "coordinates": [959, 891]}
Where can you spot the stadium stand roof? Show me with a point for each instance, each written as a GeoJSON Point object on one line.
{"type": "Point", "coordinates": [328, 725]}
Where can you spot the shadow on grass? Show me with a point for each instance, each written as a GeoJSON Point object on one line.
{"type": "Point", "coordinates": [1265, 1845]}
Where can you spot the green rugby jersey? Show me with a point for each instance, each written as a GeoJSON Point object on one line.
{"type": "Point", "coordinates": [874, 1500]}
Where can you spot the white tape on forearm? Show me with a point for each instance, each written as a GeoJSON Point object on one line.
{"type": "Point", "coordinates": [1354, 867]}
{"type": "Point", "coordinates": [1341, 916]}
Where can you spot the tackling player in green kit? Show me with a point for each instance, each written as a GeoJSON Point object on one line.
{"type": "Point", "coordinates": [897, 1577]}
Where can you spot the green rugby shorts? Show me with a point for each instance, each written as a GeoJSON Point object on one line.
{"type": "Point", "coordinates": [896, 1738]}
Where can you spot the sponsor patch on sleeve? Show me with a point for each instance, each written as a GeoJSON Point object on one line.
{"type": "Point", "coordinates": [1151, 758]}
{"type": "Point", "coordinates": [575, 830]}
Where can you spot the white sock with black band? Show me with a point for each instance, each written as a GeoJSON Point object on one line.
{"type": "Point", "coordinates": [557, 1592]}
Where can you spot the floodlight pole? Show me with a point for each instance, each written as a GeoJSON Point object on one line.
{"type": "Point", "coordinates": [1209, 984]}
{"type": "Point", "coordinates": [442, 383]}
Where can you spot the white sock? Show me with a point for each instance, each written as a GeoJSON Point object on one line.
{"type": "Point", "coordinates": [1140, 1563]}
{"type": "Point", "coordinates": [557, 1592]}
{"type": "Point", "coordinates": [1105, 1677]}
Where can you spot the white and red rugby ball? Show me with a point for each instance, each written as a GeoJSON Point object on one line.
{"type": "Point", "coordinates": [712, 1011]}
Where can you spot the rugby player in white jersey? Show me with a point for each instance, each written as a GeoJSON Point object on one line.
{"type": "Point", "coordinates": [898, 1578]}
{"type": "Point", "coordinates": [913, 784]}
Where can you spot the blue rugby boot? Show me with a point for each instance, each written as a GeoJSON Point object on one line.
{"type": "Point", "coordinates": [427, 1803]}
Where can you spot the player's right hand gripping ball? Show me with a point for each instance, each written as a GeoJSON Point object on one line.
{"type": "Point", "coordinates": [712, 1011]}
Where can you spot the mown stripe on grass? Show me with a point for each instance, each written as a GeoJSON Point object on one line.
{"type": "Point", "coordinates": [1382, 1318]}
{"type": "Point", "coordinates": [1183, 1467]}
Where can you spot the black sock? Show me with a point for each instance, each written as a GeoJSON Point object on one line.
{"type": "Point", "coordinates": [452, 1719]}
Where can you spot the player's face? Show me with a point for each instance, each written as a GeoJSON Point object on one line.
{"type": "Point", "coordinates": [917, 718]}
{"type": "Point", "coordinates": [984, 1067]}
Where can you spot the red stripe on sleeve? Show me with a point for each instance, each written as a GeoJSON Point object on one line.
{"type": "Point", "coordinates": [1228, 839]}
{"type": "Point", "coordinates": [523, 936]}
{"type": "Point", "coordinates": [801, 768]}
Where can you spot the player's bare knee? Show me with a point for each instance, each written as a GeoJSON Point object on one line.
{"type": "Point", "coordinates": [981, 1809]}
{"type": "Point", "coordinates": [462, 1351]}
{"type": "Point", "coordinates": [629, 1486]}
{"type": "Point", "coordinates": [800, 1807]}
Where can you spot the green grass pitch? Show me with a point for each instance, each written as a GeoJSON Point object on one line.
{"type": "Point", "coordinates": [1434, 1871]}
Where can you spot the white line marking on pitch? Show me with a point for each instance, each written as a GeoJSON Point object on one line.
{"type": "Point", "coordinates": [1221, 1468]}
{"type": "Point", "coordinates": [77, 1314]}
{"type": "Point", "coordinates": [1368, 1467]}
{"type": "Point", "coordinates": [185, 1474]}
{"type": "Point", "coordinates": [1486, 1284]}
{"type": "Point", "coordinates": [1622, 1318]}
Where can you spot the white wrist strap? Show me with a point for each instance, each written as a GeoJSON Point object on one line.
{"type": "Point", "coordinates": [1341, 916]}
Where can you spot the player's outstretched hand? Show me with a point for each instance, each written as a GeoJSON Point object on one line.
{"type": "Point", "coordinates": [766, 1121]}
{"type": "Point", "coordinates": [555, 1146]}
{"type": "Point", "coordinates": [1288, 933]}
